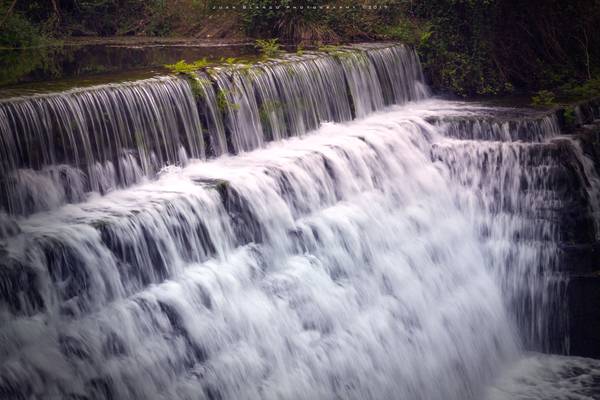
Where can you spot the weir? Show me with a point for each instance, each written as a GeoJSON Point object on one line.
{"type": "Point", "coordinates": [57, 147]}
{"type": "Point", "coordinates": [408, 247]}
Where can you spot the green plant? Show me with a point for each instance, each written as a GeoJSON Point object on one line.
{"type": "Point", "coordinates": [268, 107]}
{"type": "Point", "coordinates": [17, 32]}
{"type": "Point", "coordinates": [181, 67]}
{"type": "Point", "coordinates": [269, 48]}
{"type": "Point", "coordinates": [189, 71]}
{"type": "Point", "coordinates": [570, 116]}
{"type": "Point", "coordinates": [229, 60]}
{"type": "Point", "coordinates": [405, 31]}
{"type": "Point", "coordinates": [581, 91]}
{"type": "Point", "coordinates": [196, 86]}
{"type": "Point", "coordinates": [329, 48]}
{"type": "Point", "coordinates": [223, 103]}
{"type": "Point", "coordinates": [543, 98]}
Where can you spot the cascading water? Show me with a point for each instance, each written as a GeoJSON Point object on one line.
{"type": "Point", "coordinates": [401, 255]}
{"type": "Point", "coordinates": [115, 135]}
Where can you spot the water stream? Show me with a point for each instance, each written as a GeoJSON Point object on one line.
{"type": "Point", "coordinates": [357, 242]}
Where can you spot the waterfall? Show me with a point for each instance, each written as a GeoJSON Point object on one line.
{"type": "Point", "coordinates": [312, 268]}
{"type": "Point", "coordinates": [398, 251]}
{"type": "Point", "coordinates": [115, 135]}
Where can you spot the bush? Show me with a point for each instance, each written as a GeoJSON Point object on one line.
{"type": "Point", "coordinates": [269, 48]}
{"type": "Point", "coordinates": [570, 117]}
{"type": "Point", "coordinates": [405, 30]}
{"type": "Point", "coordinates": [189, 71]}
{"type": "Point", "coordinates": [318, 21]}
{"type": "Point", "coordinates": [18, 32]}
{"type": "Point", "coordinates": [543, 98]}
{"type": "Point", "coordinates": [586, 90]}
{"type": "Point", "coordinates": [181, 67]}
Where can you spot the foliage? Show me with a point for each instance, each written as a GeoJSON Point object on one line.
{"type": "Point", "coordinates": [269, 48]}
{"type": "Point", "coordinates": [16, 31]}
{"type": "Point", "coordinates": [479, 47]}
{"type": "Point", "coordinates": [267, 108]}
{"type": "Point", "coordinates": [111, 17]}
{"type": "Point", "coordinates": [407, 31]}
{"type": "Point", "coordinates": [329, 48]}
{"type": "Point", "coordinates": [229, 60]}
{"type": "Point", "coordinates": [189, 71]}
{"type": "Point", "coordinates": [223, 103]}
{"type": "Point", "coordinates": [455, 45]}
{"type": "Point", "coordinates": [577, 91]}
{"type": "Point", "coordinates": [543, 98]}
{"type": "Point", "coordinates": [570, 117]}
{"type": "Point", "coordinates": [324, 21]}
{"type": "Point", "coordinates": [181, 67]}
{"type": "Point", "coordinates": [467, 47]}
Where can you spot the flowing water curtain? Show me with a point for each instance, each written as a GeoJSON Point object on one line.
{"type": "Point", "coordinates": [137, 127]}
{"type": "Point", "coordinates": [365, 261]}
{"type": "Point", "coordinates": [118, 134]}
{"type": "Point", "coordinates": [228, 277]}
{"type": "Point", "coordinates": [363, 82]}
{"type": "Point", "coordinates": [235, 96]}
{"type": "Point", "coordinates": [211, 115]}
{"type": "Point", "coordinates": [512, 169]}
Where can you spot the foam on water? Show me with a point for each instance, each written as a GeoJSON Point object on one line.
{"type": "Point", "coordinates": [359, 262]}
{"type": "Point", "coordinates": [548, 377]}
{"type": "Point", "coordinates": [407, 252]}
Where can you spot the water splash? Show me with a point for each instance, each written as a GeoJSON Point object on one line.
{"type": "Point", "coordinates": [402, 255]}
{"type": "Point", "coordinates": [347, 263]}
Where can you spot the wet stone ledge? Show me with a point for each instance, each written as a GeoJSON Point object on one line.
{"type": "Point", "coordinates": [580, 258]}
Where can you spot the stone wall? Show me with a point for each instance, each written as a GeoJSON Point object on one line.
{"type": "Point", "coordinates": [581, 252]}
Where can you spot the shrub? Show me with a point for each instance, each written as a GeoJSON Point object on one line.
{"type": "Point", "coordinates": [586, 90]}
{"type": "Point", "coordinates": [269, 48]}
{"type": "Point", "coordinates": [406, 31]}
{"type": "Point", "coordinates": [18, 32]}
{"type": "Point", "coordinates": [181, 67]}
{"type": "Point", "coordinates": [543, 98]}
{"type": "Point", "coordinates": [189, 71]}
{"type": "Point", "coordinates": [570, 117]}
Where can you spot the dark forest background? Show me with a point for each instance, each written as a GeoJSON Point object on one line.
{"type": "Point", "coordinates": [468, 47]}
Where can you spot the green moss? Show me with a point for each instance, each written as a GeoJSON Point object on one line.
{"type": "Point", "coordinates": [229, 60]}
{"type": "Point", "coordinates": [267, 108]}
{"type": "Point", "coordinates": [329, 48]}
{"type": "Point", "coordinates": [223, 102]}
{"type": "Point", "coordinates": [221, 185]}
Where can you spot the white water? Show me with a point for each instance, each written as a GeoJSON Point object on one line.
{"type": "Point", "coordinates": [104, 137]}
{"type": "Point", "coordinates": [370, 260]}
{"type": "Point", "coordinates": [540, 376]}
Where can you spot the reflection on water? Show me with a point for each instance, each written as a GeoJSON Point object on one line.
{"type": "Point", "coordinates": [50, 68]}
